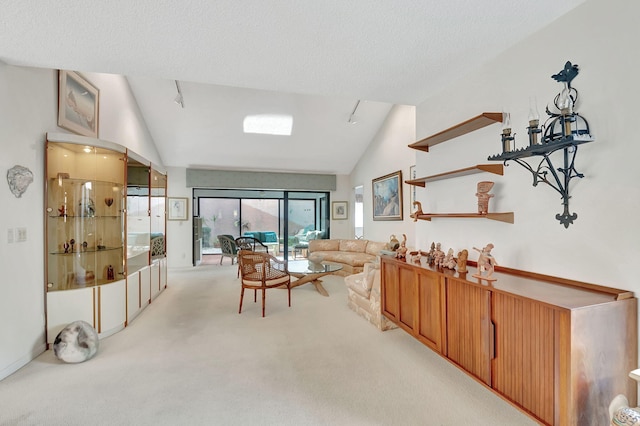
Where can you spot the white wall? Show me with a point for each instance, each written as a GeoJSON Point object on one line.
{"type": "Point", "coordinates": [387, 153]}
{"type": "Point", "coordinates": [179, 233]}
{"type": "Point", "coordinates": [343, 228]}
{"type": "Point", "coordinates": [28, 110]}
{"type": "Point", "coordinates": [602, 244]}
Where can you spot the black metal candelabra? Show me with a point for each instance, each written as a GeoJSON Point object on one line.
{"type": "Point", "coordinates": [564, 131]}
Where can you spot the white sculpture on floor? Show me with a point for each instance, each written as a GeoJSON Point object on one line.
{"type": "Point", "coordinates": [77, 342]}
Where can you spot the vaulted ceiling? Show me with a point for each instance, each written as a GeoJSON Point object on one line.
{"type": "Point", "coordinates": [313, 60]}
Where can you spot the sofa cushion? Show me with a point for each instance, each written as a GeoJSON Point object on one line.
{"type": "Point", "coordinates": [361, 283]}
{"type": "Point", "coordinates": [324, 245]}
{"type": "Point", "coordinates": [346, 257]}
{"type": "Point", "coordinates": [374, 247]}
{"type": "Point", "coordinates": [270, 237]}
{"type": "Point", "coordinates": [357, 246]}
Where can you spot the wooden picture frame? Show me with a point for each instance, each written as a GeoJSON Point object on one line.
{"type": "Point", "coordinates": [78, 104]}
{"type": "Point", "coordinates": [178, 208]}
{"type": "Point", "coordinates": [339, 210]}
{"type": "Point", "coordinates": [387, 196]}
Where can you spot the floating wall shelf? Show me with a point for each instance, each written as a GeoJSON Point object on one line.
{"type": "Point", "coordinates": [475, 123]}
{"type": "Point", "coordinates": [502, 217]}
{"type": "Point", "coordinates": [497, 169]}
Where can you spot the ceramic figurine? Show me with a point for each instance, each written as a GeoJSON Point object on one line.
{"type": "Point", "coordinates": [418, 211]}
{"type": "Point", "coordinates": [449, 262]}
{"type": "Point", "coordinates": [484, 196]}
{"type": "Point", "coordinates": [462, 261]}
{"type": "Point", "coordinates": [393, 243]}
{"type": "Point", "coordinates": [438, 255]}
{"type": "Point", "coordinates": [401, 252]}
{"type": "Point", "coordinates": [486, 263]}
{"type": "Point", "coordinates": [431, 256]}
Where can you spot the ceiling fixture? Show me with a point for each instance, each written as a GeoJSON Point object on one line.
{"type": "Point", "coordinates": [268, 124]}
{"type": "Point", "coordinates": [352, 118]}
{"type": "Point", "coordinates": [179, 100]}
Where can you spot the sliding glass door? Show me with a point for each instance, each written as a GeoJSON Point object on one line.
{"type": "Point", "coordinates": [289, 218]}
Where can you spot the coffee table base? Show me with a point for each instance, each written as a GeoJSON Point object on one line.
{"type": "Point", "coordinates": [310, 278]}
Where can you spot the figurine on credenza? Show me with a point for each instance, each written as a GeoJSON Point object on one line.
{"type": "Point", "coordinates": [393, 243]}
{"type": "Point", "coordinates": [449, 261]}
{"type": "Point", "coordinates": [401, 252]}
{"type": "Point", "coordinates": [438, 256]}
{"type": "Point", "coordinates": [484, 196]}
{"type": "Point", "coordinates": [486, 263]}
{"type": "Point", "coordinates": [418, 211]}
{"type": "Point", "coordinates": [431, 256]}
{"type": "Point", "coordinates": [462, 261]}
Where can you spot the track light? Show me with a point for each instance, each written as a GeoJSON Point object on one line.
{"type": "Point", "coordinates": [352, 118]}
{"type": "Point", "coordinates": [179, 100]}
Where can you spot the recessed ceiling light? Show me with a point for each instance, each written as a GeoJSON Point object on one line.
{"type": "Point", "coordinates": [268, 124]}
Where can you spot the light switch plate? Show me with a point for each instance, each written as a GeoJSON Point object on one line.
{"type": "Point", "coordinates": [21, 235]}
{"type": "Point", "coordinates": [10, 235]}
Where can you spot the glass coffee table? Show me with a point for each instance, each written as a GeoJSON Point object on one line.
{"type": "Point", "coordinates": [311, 273]}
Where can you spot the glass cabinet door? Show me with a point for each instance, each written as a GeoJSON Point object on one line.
{"type": "Point", "coordinates": [138, 220]}
{"type": "Point", "coordinates": [85, 227]}
{"type": "Point", "coordinates": [158, 215]}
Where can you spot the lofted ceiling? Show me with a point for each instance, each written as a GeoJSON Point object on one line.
{"type": "Point", "coordinates": [313, 60]}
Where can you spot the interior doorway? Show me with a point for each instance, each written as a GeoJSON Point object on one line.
{"type": "Point", "coordinates": [358, 212]}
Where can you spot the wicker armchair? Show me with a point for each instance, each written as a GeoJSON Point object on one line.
{"type": "Point", "coordinates": [261, 271]}
{"type": "Point", "coordinates": [228, 247]}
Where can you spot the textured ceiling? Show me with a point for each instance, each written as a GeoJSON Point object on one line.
{"type": "Point", "coordinates": [313, 59]}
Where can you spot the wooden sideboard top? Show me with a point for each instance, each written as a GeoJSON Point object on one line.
{"type": "Point", "coordinates": [554, 291]}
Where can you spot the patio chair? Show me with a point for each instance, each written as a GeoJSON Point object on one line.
{"type": "Point", "coordinates": [228, 247]}
{"type": "Point", "coordinates": [261, 271]}
{"type": "Point", "coordinates": [251, 244]}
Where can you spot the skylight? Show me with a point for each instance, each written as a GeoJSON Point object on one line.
{"type": "Point", "coordinates": [268, 124]}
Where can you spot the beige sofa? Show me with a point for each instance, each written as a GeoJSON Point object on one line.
{"type": "Point", "coordinates": [364, 296]}
{"type": "Point", "coordinates": [351, 254]}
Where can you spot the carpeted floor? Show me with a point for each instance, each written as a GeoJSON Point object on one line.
{"type": "Point", "coordinates": [190, 359]}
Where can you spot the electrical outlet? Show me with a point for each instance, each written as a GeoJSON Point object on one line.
{"type": "Point", "coordinates": [21, 235]}
{"type": "Point", "coordinates": [10, 235]}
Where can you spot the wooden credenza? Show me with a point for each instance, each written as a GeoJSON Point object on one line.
{"type": "Point", "coordinates": [557, 349]}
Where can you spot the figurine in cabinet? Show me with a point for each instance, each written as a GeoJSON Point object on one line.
{"type": "Point", "coordinates": [484, 196]}
{"type": "Point", "coordinates": [486, 263]}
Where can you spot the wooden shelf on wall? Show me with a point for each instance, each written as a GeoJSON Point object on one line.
{"type": "Point", "coordinates": [497, 169]}
{"type": "Point", "coordinates": [502, 217]}
{"type": "Point", "coordinates": [475, 123]}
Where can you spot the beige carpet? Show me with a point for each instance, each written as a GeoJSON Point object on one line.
{"type": "Point", "coordinates": [190, 359]}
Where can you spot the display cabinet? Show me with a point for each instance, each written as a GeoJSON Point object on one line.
{"type": "Point", "coordinates": [98, 234]}
{"type": "Point", "coordinates": [85, 241]}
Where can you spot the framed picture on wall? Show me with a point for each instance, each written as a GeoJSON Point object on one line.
{"type": "Point", "coordinates": [178, 209]}
{"type": "Point", "coordinates": [339, 210]}
{"type": "Point", "coordinates": [78, 102]}
{"type": "Point", "coordinates": [387, 197]}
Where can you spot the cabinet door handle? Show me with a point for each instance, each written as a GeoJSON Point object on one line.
{"type": "Point", "coordinates": [492, 343]}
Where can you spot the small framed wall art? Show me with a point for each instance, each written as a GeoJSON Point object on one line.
{"type": "Point", "coordinates": [78, 102]}
{"type": "Point", "coordinates": [339, 210]}
{"type": "Point", "coordinates": [178, 209]}
{"type": "Point", "coordinates": [387, 197]}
